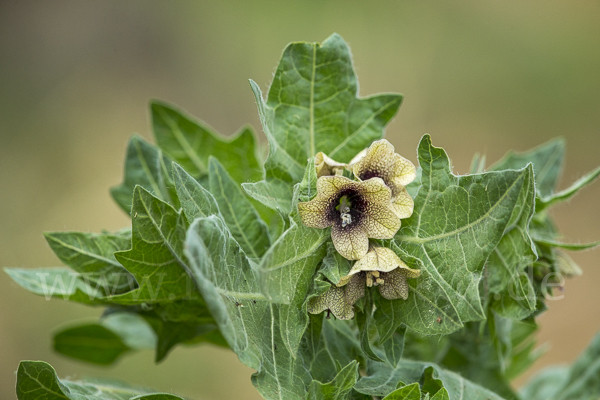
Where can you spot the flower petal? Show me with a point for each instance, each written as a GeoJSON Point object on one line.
{"type": "Point", "coordinates": [375, 190]}
{"type": "Point", "coordinates": [378, 161]}
{"type": "Point", "coordinates": [404, 171]}
{"type": "Point", "coordinates": [377, 259]}
{"type": "Point", "coordinates": [381, 221]}
{"type": "Point", "coordinates": [326, 166]}
{"type": "Point", "coordinates": [409, 272]}
{"type": "Point", "coordinates": [395, 285]}
{"type": "Point", "coordinates": [315, 213]}
{"type": "Point", "coordinates": [350, 241]}
{"type": "Point", "coordinates": [338, 303]}
{"type": "Point", "coordinates": [402, 203]}
{"type": "Point", "coordinates": [355, 288]}
{"type": "Point", "coordinates": [317, 305]}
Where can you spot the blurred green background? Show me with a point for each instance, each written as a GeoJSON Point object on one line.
{"type": "Point", "coordinates": [76, 77]}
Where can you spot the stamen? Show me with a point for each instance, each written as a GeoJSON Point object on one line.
{"type": "Point", "coordinates": [344, 209]}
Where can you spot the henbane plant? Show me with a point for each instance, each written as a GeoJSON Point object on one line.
{"type": "Point", "coordinates": [335, 268]}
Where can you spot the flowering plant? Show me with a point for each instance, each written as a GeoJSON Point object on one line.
{"type": "Point", "coordinates": [434, 280]}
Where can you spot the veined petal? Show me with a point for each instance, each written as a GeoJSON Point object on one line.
{"type": "Point", "coordinates": [402, 203]}
{"type": "Point", "coordinates": [378, 161]}
{"type": "Point", "coordinates": [350, 241]}
{"type": "Point", "coordinates": [381, 222]}
{"type": "Point", "coordinates": [326, 166]}
{"type": "Point", "coordinates": [334, 300]}
{"type": "Point", "coordinates": [314, 213]}
{"type": "Point", "coordinates": [377, 259]}
{"type": "Point", "coordinates": [338, 303]}
{"type": "Point", "coordinates": [395, 285]}
{"type": "Point", "coordinates": [317, 305]}
{"type": "Point", "coordinates": [375, 190]}
{"type": "Point", "coordinates": [355, 288]}
{"type": "Point", "coordinates": [404, 172]}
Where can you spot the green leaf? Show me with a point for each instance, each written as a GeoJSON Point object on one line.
{"type": "Point", "coordinates": [156, 256]}
{"type": "Point", "coordinates": [37, 380]}
{"type": "Point", "coordinates": [92, 254]}
{"type": "Point", "coordinates": [190, 143]}
{"type": "Point", "coordinates": [580, 381]}
{"type": "Point", "coordinates": [105, 341]}
{"type": "Point", "coordinates": [381, 380]}
{"type": "Point", "coordinates": [287, 269]}
{"type": "Point", "coordinates": [250, 324]}
{"type": "Point", "coordinates": [514, 295]}
{"type": "Point", "coordinates": [566, 246]}
{"type": "Point", "coordinates": [456, 224]}
{"type": "Point", "coordinates": [196, 201]}
{"type": "Point", "coordinates": [547, 162]}
{"type": "Point", "coordinates": [335, 266]}
{"type": "Point", "coordinates": [60, 283]}
{"type": "Point", "coordinates": [239, 214]}
{"type": "Point", "coordinates": [90, 342]}
{"type": "Point", "coordinates": [472, 353]}
{"type": "Point", "coordinates": [339, 388]}
{"type": "Point", "coordinates": [442, 394]}
{"type": "Point", "coordinates": [146, 166]}
{"type": "Point", "coordinates": [313, 106]}
{"type": "Point", "coordinates": [408, 392]}
{"type": "Point", "coordinates": [394, 347]}
{"type": "Point", "coordinates": [364, 321]}
{"type": "Point", "coordinates": [568, 193]}
{"type": "Point", "coordinates": [330, 343]}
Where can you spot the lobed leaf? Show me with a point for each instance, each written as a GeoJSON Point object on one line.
{"type": "Point", "coordinates": [381, 380]}
{"type": "Point", "coordinates": [148, 167]}
{"type": "Point", "coordinates": [191, 143]}
{"type": "Point", "coordinates": [456, 224]}
{"type": "Point", "coordinates": [105, 341]}
{"type": "Point", "coordinates": [242, 219]}
{"type": "Point", "coordinates": [37, 380]}
{"type": "Point", "coordinates": [312, 106]}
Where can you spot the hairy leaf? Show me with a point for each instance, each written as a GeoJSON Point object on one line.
{"type": "Point", "coordinates": [250, 324]}
{"type": "Point", "coordinates": [547, 162]}
{"type": "Point", "coordinates": [242, 219]}
{"type": "Point", "coordinates": [156, 256]}
{"type": "Point", "coordinates": [381, 380]}
{"type": "Point", "coordinates": [339, 388]}
{"type": "Point", "coordinates": [191, 143]}
{"type": "Point", "coordinates": [37, 380]}
{"type": "Point", "coordinates": [196, 201]}
{"type": "Point", "coordinates": [579, 381]}
{"type": "Point", "coordinates": [456, 224]}
{"type": "Point", "coordinates": [287, 269]}
{"type": "Point", "coordinates": [105, 341]}
{"type": "Point", "coordinates": [312, 106]}
{"type": "Point", "coordinates": [92, 254]}
{"type": "Point", "coordinates": [148, 167]}
{"type": "Point", "coordinates": [408, 392]}
{"type": "Point", "coordinates": [568, 193]}
{"type": "Point", "coordinates": [514, 295]}
{"type": "Point", "coordinates": [60, 283]}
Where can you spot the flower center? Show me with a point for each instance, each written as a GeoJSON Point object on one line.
{"type": "Point", "coordinates": [344, 209]}
{"type": "Point", "coordinates": [366, 175]}
{"type": "Point", "coordinates": [374, 279]}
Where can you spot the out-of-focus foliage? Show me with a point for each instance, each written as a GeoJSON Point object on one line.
{"type": "Point", "coordinates": [206, 265]}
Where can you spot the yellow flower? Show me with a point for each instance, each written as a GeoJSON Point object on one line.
{"type": "Point", "coordinates": [380, 161]}
{"type": "Point", "coordinates": [355, 210]}
{"type": "Point", "coordinates": [327, 166]}
{"type": "Point", "coordinates": [335, 300]}
{"type": "Point", "coordinates": [383, 268]}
